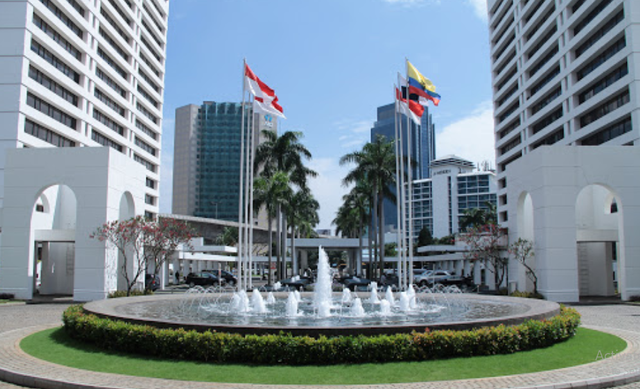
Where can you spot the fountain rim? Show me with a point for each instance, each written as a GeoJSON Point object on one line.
{"type": "Point", "coordinates": [537, 310]}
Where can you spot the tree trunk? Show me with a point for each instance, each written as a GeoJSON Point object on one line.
{"type": "Point", "coordinates": [278, 241]}
{"type": "Point", "coordinates": [294, 263]}
{"type": "Point", "coordinates": [381, 232]}
{"type": "Point", "coordinates": [371, 229]}
{"type": "Point", "coordinates": [284, 244]}
{"type": "Point", "coordinates": [359, 258]}
{"type": "Point", "coordinates": [270, 250]}
{"type": "Point", "coordinates": [375, 231]}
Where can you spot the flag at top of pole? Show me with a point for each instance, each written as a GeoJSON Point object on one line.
{"type": "Point", "coordinates": [265, 98]}
{"type": "Point", "coordinates": [410, 108]}
{"type": "Point", "coordinates": [422, 84]}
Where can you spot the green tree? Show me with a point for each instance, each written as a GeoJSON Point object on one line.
{"type": "Point", "coordinates": [376, 165]}
{"type": "Point", "coordinates": [272, 192]}
{"type": "Point", "coordinates": [286, 154]}
{"type": "Point", "coordinates": [354, 214]}
{"type": "Point", "coordinates": [302, 214]}
{"type": "Point", "coordinates": [229, 237]}
{"type": "Point", "coordinates": [476, 217]}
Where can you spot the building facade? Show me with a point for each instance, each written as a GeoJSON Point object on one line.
{"type": "Point", "coordinates": [564, 75]}
{"type": "Point", "coordinates": [207, 150]}
{"type": "Point", "coordinates": [423, 148]}
{"type": "Point", "coordinates": [78, 73]}
{"type": "Point", "coordinates": [440, 201]}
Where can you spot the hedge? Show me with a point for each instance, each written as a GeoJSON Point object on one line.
{"type": "Point", "coordinates": [285, 349]}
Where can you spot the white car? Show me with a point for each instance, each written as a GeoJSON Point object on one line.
{"type": "Point", "coordinates": [431, 277]}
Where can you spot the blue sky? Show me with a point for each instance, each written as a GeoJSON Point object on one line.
{"type": "Point", "coordinates": [332, 63]}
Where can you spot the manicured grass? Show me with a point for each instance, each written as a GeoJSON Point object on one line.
{"type": "Point", "coordinates": [55, 346]}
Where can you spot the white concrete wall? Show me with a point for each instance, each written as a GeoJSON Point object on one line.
{"type": "Point", "coordinates": [97, 177]}
{"type": "Point", "coordinates": [555, 176]}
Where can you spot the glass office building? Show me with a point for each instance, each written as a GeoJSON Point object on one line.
{"type": "Point", "coordinates": [423, 149]}
{"type": "Point", "coordinates": [207, 153]}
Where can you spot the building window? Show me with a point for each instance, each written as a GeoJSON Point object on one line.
{"type": "Point", "coordinates": [51, 111]}
{"type": "Point", "coordinates": [510, 127]}
{"type": "Point", "coordinates": [53, 86]}
{"type": "Point", "coordinates": [148, 80]}
{"type": "Point", "coordinates": [40, 132]}
{"type": "Point", "coordinates": [592, 15]}
{"type": "Point", "coordinates": [514, 107]}
{"type": "Point", "coordinates": [146, 129]}
{"type": "Point", "coordinates": [107, 121]}
{"type": "Point", "coordinates": [111, 63]}
{"type": "Point", "coordinates": [148, 97]}
{"type": "Point", "coordinates": [121, 13]}
{"type": "Point", "coordinates": [554, 94]}
{"type": "Point", "coordinates": [151, 183]}
{"type": "Point", "coordinates": [512, 144]}
{"type": "Point", "coordinates": [544, 81]}
{"type": "Point", "coordinates": [147, 113]}
{"type": "Point", "coordinates": [611, 132]}
{"type": "Point", "coordinates": [113, 44]}
{"type": "Point", "coordinates": [595, 37]}
{"type": "Point", "coordinates": [543, 61]}
{"type": "Point", "coordinates": [604, 108]}
{"type": "Point", "coordinates": [109, 102]}
{"type": "Point", "coordinates": [546, 121]}
{"type": "Point", "coordinates": [151, 167]}
{"type": "Point", "coordinates": [54, 61]}
{"type": "Point", "coordinates": [145, 146]}
{"type": "Point", "coordinates": [103, 140]}
{"type": "Point", "coordinates": [109, 81]}
{"type": "Point", "coordinates": [53, 34]}
{"type": "Point", "coordinates": [115, 26]}
{"type": "Point", "coordinates": [604, 82]}
{"type": "Point", "coordinates": [553, 138]}
{"type": "Point", "coordinates": [602, 58]}
{"type": "Point", "coordinates": [63, 17]}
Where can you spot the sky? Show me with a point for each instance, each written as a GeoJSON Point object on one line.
{"type": "Point", "coordinates": [332, 63]}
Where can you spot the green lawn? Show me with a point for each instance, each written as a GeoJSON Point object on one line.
{"type": "Point", "coordinates": [54, 346]}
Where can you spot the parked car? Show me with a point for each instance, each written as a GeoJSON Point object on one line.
{"type": "Point", "coordinates": [227, 277]}
{"type": "Point", "coordinates": [353, 282]}
{"type": "Point", "coordinates": [297, 283]}
{"type": "Point", "coordinates": [202, 279]}
{"type": "Point", "coordinates": [152, 282]}
{"type": "Point", "coordinates": [443, 277]}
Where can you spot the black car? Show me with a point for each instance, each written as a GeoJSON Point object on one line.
{"type": "Point", "coordinates": [152, 282]}
{"type": "Point", "coordinates": [353, 282]}
{"type": "Point", "coordinates": [202, 279]}
{"type": "Point", "coordinates": [227, 277]}
{"type": "Point", "coordinates": [297, 283]}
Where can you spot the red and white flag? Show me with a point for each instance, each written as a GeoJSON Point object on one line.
{"type": "Point", "coordinates": [265, 98]}
{"type": "Point", "coordinates": [413, 110]}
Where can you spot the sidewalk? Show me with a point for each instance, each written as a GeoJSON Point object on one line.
{"type": "Point", "coordinates": [22, 369]}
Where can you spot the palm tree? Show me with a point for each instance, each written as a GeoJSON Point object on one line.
{"type": "Point", "coordinates": [302, 212]}
{"type": "Point", "coordinates": [229, 237]}
{"type": "Point", "coordinates": [376, 165]}
{"type": "Point", "coordinates": [283, 153]}
{"type": "Point", "coordinates": [354, 214]}
{"type": "Point", "coordinates": [477, 217]}
{"type": "Point", "coordinates": [271, 192]}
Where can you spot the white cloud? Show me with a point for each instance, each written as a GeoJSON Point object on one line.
{"type": "Point", "coordinates": [355, 133]}
{"type": "Point", "coordinates": [166, 163]}
{"type": "Point", "coordinates": [480, 8]}
{"type": "Point", "coordinates": [327, 188]}
{"type": "Point", "coordinates": [470, 137]}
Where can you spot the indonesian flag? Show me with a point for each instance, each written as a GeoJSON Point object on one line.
{"type": "Point", "coordinates": [265, 98]}
{"type": "Point", "coordinates": [413, 110]}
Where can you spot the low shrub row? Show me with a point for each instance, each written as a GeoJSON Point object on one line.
{"type": "Point", "coordinates": [123, 293]}
{"type": "Point", "coordinates": [286, 349]}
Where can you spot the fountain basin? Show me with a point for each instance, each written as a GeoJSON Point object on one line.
{"type": "Point", "coordinates": [167, 311]}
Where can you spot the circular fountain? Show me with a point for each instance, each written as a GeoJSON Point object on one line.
{"type": "Point", "coordinates": [324, 312]}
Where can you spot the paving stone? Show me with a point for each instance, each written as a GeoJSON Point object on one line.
{"type": "Point", "coordinates": [18, 320]}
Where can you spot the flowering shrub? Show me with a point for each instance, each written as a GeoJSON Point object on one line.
{"type": "Point", "coordinates": [285, 349]}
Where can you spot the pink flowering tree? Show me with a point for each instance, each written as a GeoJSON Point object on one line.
{"type": "Point", "coordinates": [126, 237]}
{"type": "Point", "coordinates": [162, 238]}
{"type": "Point", "coordinates": [488, 242]}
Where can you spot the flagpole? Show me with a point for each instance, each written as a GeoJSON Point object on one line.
{"type": "Point", "coordinates": [255, 132]}
{"type": "Point", "coordinates": [398, 207]}
{"type": "Point", "coordinates": [410, 185]}
{"type": "Point", "coordinates": [402, 194]}
{"type": "Point", "coordinates": [241, 186]}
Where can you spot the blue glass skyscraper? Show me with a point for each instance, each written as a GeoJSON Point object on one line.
{"type": "Point", "coordinates": [423, 147]}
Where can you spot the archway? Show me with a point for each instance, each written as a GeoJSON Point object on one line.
{"type": "Point", "coordinates": [598, 231]}
{"type": "Point", "coordinates": [52, 230]}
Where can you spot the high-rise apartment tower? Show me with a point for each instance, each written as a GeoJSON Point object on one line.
{"type": "Point", "coordinates": [85, 73]}
{"type": "Point", "coordinates": [563, 74]}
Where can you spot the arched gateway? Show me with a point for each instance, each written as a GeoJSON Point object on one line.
{"type": "Point", "coordinates": [53, 199]}
{"type": "Point", "coordinates": [584, 217]}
